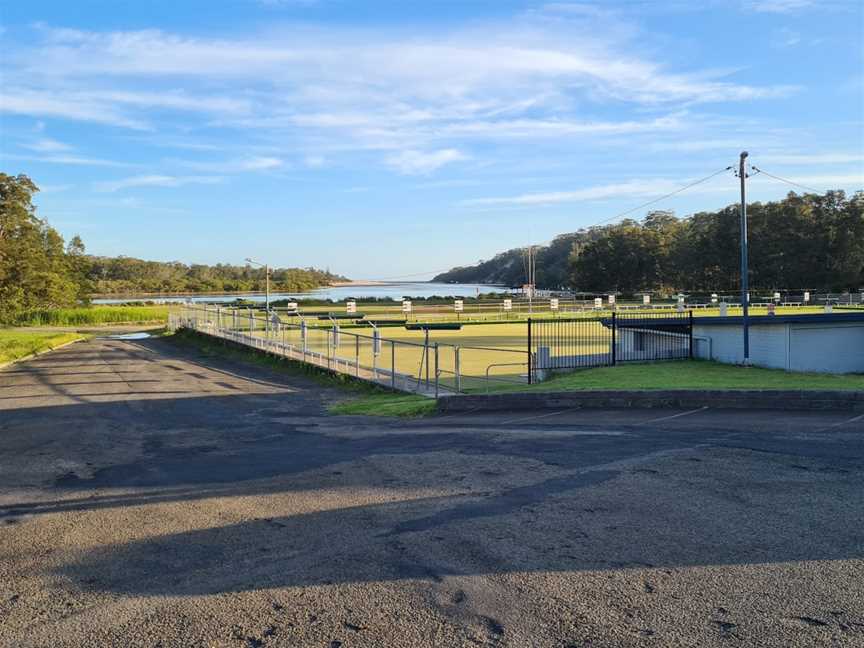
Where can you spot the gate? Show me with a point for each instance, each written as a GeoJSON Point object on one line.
{"type": "Point", "coordinates": [572, 343]}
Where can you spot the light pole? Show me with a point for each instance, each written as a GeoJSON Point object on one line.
{"type": "Point", "coordinates": [266, 294]}
{"type": "Point", "coordinates": [267, 281]}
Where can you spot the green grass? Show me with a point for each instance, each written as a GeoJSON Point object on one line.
{"type": "Point", "coordinates": [386, 404]}
{"type": "Point", "coordinates": [689, 374]}
{"type": "Point", "coordinates": [15, 344]}
{"type": "Point", "coordinates": [365, 398]}
{"type": "Point", "coordinates": [93, 316]}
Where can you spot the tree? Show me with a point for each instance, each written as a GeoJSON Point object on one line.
{"type": "Point", "coordinates": [34, 270]}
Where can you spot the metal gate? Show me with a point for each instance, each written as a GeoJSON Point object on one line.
{"type": "Point", "coordinates": [598, 340]}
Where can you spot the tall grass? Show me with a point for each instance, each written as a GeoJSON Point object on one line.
{"type": "Point", "coordinates": [20, 344]}
{"type": "Point", "coordinates": [91, 316]}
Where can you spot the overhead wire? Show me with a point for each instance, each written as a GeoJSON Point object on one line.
{"type": "Point", "coordinates": [790, 182]}
{"type": "Point", "coordinates": [601, 222]}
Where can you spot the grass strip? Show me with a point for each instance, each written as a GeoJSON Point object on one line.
{"type": "Point", "coordinates": [92, 316]}
{"type": "Point", "coordinates": [689, 374]}
{"type": "Point", "coordinates": [16, 344]}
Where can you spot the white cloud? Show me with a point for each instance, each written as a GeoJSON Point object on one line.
{"type": "Point", "coordinates": [815, 158]}
{"type": "Point", "coordinates": [260, 163]}
{"type": "Point", "coordinates": [646, 188]}
{"type": "Point", "coordinates": [315, 161]}
{"type": "Point", "coordinates": [25, 101]}
{"type": "Point", "coordinates": [423, 163]}
{"type": "Point", "coordinates": [502, 80]}
{"type": "Point", "coordinates": [47, 189]}
{"type": "Point", "coordinates": [651, 188]}
{"type": "Point", "coordinates": [239, 165]}
{"type": "Point", "coordinates": [816, 182]}
{"type": "Point", "coordinates": [47, 145]}
{"type": "Point", "coordinates": [154, 181]}
{"type": "Point", "coordinates": [74, 160]}
{"type": "Point", "coordinates": [777, 6]}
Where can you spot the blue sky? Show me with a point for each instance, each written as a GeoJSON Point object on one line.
{"type": "Point", "coordinates": [396, 138]}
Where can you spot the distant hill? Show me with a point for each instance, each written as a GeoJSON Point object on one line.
{"type": "Point", "coordinates": [553, 264]}
{"type": "Point", "coordinates": [807, 241]}
{"type": "Point", "coordinates": [119, 275]}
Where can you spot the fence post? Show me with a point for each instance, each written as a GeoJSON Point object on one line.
{"type": "Point", "coordinates": [436, 370]}
{"type": "Point", "coordinates": [530, 357]}
{"type": "Point", "coordinates": [457, 370]}
{"type": "Point", "coordinates": [691, 334]}
{"type": "Point", "coordinates": [426, 356]}
{"type": "Point", "coordinates": [614, 338]}
{"type": "Point", "coordinates": [393, 364]}
{"type": "Point", "coordinates": [357, 356]}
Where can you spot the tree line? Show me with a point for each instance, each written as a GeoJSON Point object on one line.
{"type": "Point", "coordinates": [39, 270]}
{"type": "Point", "coordinates": [802, 241]}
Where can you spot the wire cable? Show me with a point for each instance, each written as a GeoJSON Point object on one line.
{"type": "Point", "coordinates": [605, 220]}
{"type": "Point", "coordinates": [664, 197]}
{"type": "Point", "coordinates": [794, 184]}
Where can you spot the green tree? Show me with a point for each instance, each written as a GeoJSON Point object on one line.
{"type": "Point", "coordinates": [34, 269]}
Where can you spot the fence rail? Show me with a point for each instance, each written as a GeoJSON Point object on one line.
{"type": "Point", "coordinates": [427, 367]}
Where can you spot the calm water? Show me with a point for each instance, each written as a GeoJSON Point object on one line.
{"type": "Point", "coordinates": [393, 291]}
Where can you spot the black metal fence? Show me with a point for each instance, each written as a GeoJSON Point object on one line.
{"type": "Point", "coordinates": [594, 341]}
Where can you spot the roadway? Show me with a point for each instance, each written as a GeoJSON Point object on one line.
{"type": "Point", "coordinates": [150, 496]}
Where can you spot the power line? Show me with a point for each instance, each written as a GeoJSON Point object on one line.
{"type": "Point", "coordinates": [664, 197]}
{"type": "Point", "coordinates": [605, 220]}
{"type": "Point", "coordinates": [794, 184]}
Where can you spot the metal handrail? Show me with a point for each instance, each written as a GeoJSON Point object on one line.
{"type": "Point", "coordinates": [502, 364]}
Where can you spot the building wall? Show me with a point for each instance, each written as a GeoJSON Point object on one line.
{"type": "Point", "coordinates": [830, 348]}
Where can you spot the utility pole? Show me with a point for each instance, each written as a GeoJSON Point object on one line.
{"type": "Point", "coordinates": [745, 296]}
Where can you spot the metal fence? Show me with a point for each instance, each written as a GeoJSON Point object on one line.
{"type": "Point", "coordinates": [418, 366]}
{"type": "Point", "coordinates": [595, 341]}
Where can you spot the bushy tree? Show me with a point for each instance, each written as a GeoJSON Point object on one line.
{"type": "Point", "coordinates": [35, 271]}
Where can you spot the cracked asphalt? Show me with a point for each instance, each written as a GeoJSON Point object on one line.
{"type": "Point", "coordinates": [153, 497]}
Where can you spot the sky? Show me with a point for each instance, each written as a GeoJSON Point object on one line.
{"type": "Point", "coordinates": [389, 140]}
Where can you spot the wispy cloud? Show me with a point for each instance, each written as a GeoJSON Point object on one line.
{"type": "Point", "coordinates": [46, 145]}
{"type": "Point", "coordinates": [777, 6]}
{"type": "Point", "coordinates": [799, 159]}
{"type": "Point", "coordinates": [653, 187]}
{"type": "Point", "coordinates": [26, 101]}
{"type": "Point", "coordinates": [421, 162]}
{"type": "Point", "coordinates": [337, 88]}
{"type": "Point", "coordinates": [238, 165]}
{"type": "Point", "coordinates": [632, 188]}
{"type": "Point", "coordinates": [73, 160]}
{"type": "Point", "coordinates": [154, 181]}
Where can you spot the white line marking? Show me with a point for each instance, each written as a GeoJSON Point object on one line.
{"type": "Point", "coordinates": [674, 416]}
{"type": "Point", "coordinates": [531, 418]}
{"type": "Point", "coordinates": [841, 423]}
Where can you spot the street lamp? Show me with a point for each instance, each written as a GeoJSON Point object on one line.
{"type": "Point", "coordinates": [267, 281]}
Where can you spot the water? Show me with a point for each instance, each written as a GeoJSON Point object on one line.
{"type": "Point", "coordinates": [394, 291]}
{"type": "Point", "coordinates": [140, 335]}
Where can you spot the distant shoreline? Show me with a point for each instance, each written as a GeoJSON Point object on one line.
{"type": "Point", "coordinates": [336, 284]}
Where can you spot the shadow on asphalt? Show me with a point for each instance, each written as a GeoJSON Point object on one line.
{"type": "Point", "coordinates": [203, 447]}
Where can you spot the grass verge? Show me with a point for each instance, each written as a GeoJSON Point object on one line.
{"type": "Point", "coordinates": [16, 344]}
{"type": "Point", "coordinates": [689, 374]}
{"type": "Point", "coordinates": [363, 398]}
{"type": "Point", "coordinates": [386, 404]}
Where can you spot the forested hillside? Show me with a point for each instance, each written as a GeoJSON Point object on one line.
{"type": "Point", "coordinates": [115, 275]}
{"type": "Point", "coordinates": [811, 241]}
{"type": "Point", "coordinates": [38, 271]}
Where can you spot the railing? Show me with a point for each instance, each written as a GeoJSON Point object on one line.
{"type": "Point", "coordinates": [423, 367]}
